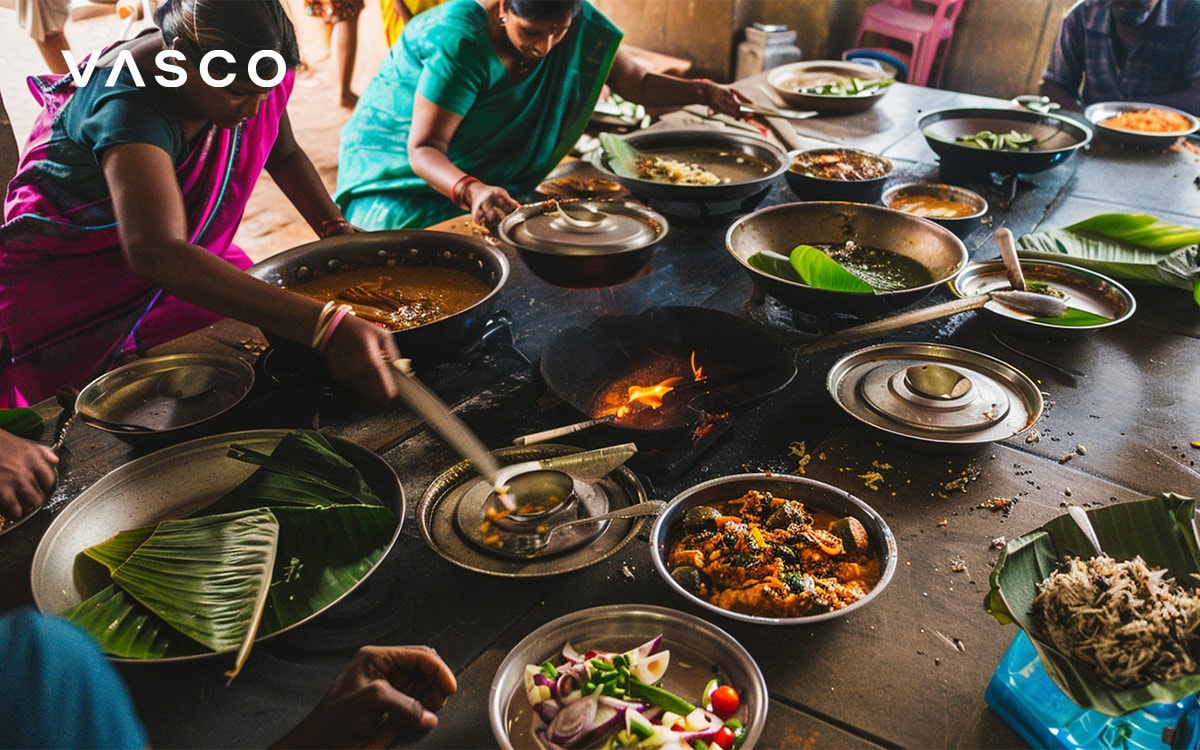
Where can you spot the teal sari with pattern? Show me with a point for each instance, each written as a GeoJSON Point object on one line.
{"type": "Point", "coordinates": [512, 132]}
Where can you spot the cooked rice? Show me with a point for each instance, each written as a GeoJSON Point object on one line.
{"type": "Point", "coordinates": [676, 172]}
{"type": "Point", "coordinates": [1131, 623]}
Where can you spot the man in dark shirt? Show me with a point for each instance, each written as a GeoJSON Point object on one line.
{"type": "Point", "coordinates": [1127, 50]}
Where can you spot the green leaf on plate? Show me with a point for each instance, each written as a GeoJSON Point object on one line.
{"type": "Point", "coordinates": [1075, 317]}
{"type": "Point", "coordinates": [774, 264]}
{"type": "Point", "coordinates": [818, 270]}
{"type": "Point", "coordinates": [1160, 529]}
{"type": "Point", "coordinates": [622, 158]}
{"type": "Point", "coordinates": [1141, 230]}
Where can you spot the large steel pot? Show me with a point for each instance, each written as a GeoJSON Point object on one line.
{"type": "Point", "coordinates": [697, 146]}
{"type": "Point", "coordinates": [781, 228]}
{"type": "Point", "coordinates": [425, 344]}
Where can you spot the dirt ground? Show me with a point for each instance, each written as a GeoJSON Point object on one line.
{"type": "Point", "coordinates": [271, 223]}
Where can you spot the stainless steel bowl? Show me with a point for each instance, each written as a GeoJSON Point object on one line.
{"type": "Point", "coordinates": [787, 80]}
{"type": "Point", "coordinates": [898, 196]}
{"type": "Point", "coordinates": [781, 228]}
{"type": "Point", "coordinates": [809, 182]}
{"type": "Point", "coordinates": [1101, 111]}
{"type": "Point", "coordinates": [698, 649]}
{"type": "Point", "coordinates": [1057, 139]}
{"type": "Point", "coordinates": [668, 527]}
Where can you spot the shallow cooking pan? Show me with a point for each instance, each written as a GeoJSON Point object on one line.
{"type": "Point", "coordinates": [1057, 139]}
{"type": "Point", "coordinates": [426, 344]}
{"type": "Point", "coordinates": [741, 362]}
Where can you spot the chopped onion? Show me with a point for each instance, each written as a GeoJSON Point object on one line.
{"type": "Point", "coordinates": [644, 650]}
{"type": "Point", "coordinates": [651, 669]}
{"type": "Point", "coordinates": [543, 741]}
{"type": "Point", "coordinates": [537, 690]}
{"type": "Point", "coordinates": [572, 721]}
{"type": "Point", "coordinates": [547, 710]}
{"type": "Point", "coordinates": [570, 654]}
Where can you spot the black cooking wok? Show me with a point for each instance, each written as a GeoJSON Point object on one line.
{"type": "Point", "coordinates": [426, 344]}
{"type": "Point", "coordinates": [741, 362]}
{"type": "Point", "coordinates": [762, 162]}
{"type": "Point", "coordinates": [1057, 138]}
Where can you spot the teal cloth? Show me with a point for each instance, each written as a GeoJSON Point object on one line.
{"type": "Point", "coordinates": [58, 690]}
{"type": "Point", "coordinates": [511, 134]}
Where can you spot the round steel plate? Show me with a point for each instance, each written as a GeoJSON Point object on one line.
{"type": "Point", "coordinates": [1099, 112]}
{"type": "Point", "coordinates": [173, 483]}
{"type": "Point", "coordinates": [789, 80]}
{"type": "Point", "coordinates": [870, 385]}
{"type": "Point", "coordinates": [698, 649]}
{"type": "Point", "coordinates": [1081, 288]}
{"type": "Point", "coordinates": [453, 496]}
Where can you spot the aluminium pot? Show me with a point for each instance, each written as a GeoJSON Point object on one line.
{"type": "Point", "coordinates": [428, 344]}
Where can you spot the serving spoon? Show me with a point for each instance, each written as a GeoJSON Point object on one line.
{"type": "Point", "coordinates": [527, 544]}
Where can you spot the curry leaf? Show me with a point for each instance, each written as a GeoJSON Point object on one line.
{"type": "Point", "coordinates": [1159, 529]}
{"type": "Point", "coordinates": [817, 269]}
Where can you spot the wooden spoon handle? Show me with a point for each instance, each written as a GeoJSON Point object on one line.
{"type": "Point", "coordinates": [1008, 253]}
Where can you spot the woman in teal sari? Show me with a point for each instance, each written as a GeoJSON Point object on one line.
{"type": "Point", "coordinates": [479, 100]}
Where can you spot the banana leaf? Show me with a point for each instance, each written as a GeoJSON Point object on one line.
{"type": "Point", "coordinates": [21, 421]}
{"type": "Point", "coordinates": [1130, 247]}
{"type": "Point", "coordinates": [774, 264]}
{"type": "Point", "coordinates": [819, 270]}
{"type": "Point", "coordinates": [322, 550]}
{"type": "Point", "coordinates": [622, 158]}
{"type": "Point", "coordinates": [1159, 529]}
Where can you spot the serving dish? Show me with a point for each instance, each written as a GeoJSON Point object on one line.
{"type": "Point", "coordinates": [1162, 530]}
{"type": "Point", "coordinates": [1057, 138]}
{"type": "Point", "coordinates": [668, 528]}
{"type": "Point", "coordinates": [779, 229]}
{"type": "Point", "coordinates": [598, 243]}
{"type": "Point", "coordinates": [699, 650]}
{"type": "Point", "coordinates": [1087, 292]}
{"type": "Point", "coordinates": [750, 163]}
{"type": "Point", "coordinates": [831, 174]}
{"type": "Point", "coordinates": [964, 209]}
{"type": "Point", "coordinates": [1098, 113]}
{"type": "Point", "coordinates": [172, 483]}
{"type": "Point", "coordinates": [163, 399]}
{"type": "Point", "coordinates": [788, 80]}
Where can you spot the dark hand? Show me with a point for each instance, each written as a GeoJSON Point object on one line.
{"type": "Point", "coordinates": [360, 356]}
{"type": "Point", "coordinates": [26, 475]}
{"type": "Point", "coordinates": [724, 99]}
{"type": "Point", "coordinates": [382, 689]}
{"type": "Point", "coordinates": [490, 204]}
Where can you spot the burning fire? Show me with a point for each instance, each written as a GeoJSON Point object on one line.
{"type": "Point", "coordinates": [651, 396]}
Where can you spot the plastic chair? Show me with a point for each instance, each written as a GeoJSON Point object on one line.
{"type": "Point", "coordinates": [924, 25]}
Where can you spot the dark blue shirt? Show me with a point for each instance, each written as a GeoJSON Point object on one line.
{"type": "Point", "coordinates": [1166, 58]}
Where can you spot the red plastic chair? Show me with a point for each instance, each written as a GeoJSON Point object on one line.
{"type": "Point", "coordinates": [924, 25]}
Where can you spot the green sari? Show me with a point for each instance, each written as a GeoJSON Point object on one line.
{"type": "Point", "coordinates": [512, 133]}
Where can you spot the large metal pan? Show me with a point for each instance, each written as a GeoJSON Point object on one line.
{"type": "Point", "coordinates": [742, 361]}
{"type": "Point", "coordinates": [781, 228]}
{"type": "Point", "coordinates": [1057, 138]}
{"type": "Point", "coordinates": [427, 344]}
{"type": "Point", "coordinates": [763, 163]}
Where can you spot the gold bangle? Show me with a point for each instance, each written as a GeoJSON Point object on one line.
{"type": "Point", "coordinates": [323, 321]}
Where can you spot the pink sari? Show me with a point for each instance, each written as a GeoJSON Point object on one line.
{"type": "Point", "coordinates": [70, 306]}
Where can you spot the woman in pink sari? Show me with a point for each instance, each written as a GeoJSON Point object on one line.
{"type": "Point", "coordinates": [119, 224]}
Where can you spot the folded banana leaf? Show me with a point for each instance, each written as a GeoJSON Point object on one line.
{"type": "Point", "coordinates": [319, 552]}
{"type": "Point", "coordinates": [1159, 529]}
{"type": "Point", "coordinates": [1130, 247]}
{"type": "Point", "coordinates": [622, 158]}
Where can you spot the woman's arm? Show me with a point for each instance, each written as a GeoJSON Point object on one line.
{"type": "Point", "coordinates": [299, 180]}
{"type": "Point", "coordinates": [154, 236]}
{"type": "Point", "coordinates": [633, 82]}
{"type": "Point", "coordinates": [428, 140]}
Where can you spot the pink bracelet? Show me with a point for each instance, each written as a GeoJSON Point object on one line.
{"type": "Point", "coordinates": [338, 314]}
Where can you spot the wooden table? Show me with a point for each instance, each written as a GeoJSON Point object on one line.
{"type": "Point", "coordinates": [909, 670]}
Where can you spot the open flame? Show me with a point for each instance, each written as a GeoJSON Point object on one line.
{"type": "Point", "coordinates": [651, 396]}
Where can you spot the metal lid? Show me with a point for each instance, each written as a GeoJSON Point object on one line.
{"type": "Point", "coordinates": [589, 226]}
{"type": "Point", "coordinates": [935, 394]}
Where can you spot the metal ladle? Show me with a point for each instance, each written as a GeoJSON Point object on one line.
{"type": "Point", "coordinates": [528, 544]}
{"type": "Point", "coordinates": [594, 222]}
{"type": "Point", "coordinates": [937, 381]}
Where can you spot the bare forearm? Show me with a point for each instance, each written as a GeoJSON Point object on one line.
{"type": "Point", "coordinates": [433, 166]}
{"type": "Point", "coordinates": [657, 90]}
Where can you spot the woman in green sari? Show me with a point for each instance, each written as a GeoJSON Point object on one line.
{"type": "Point", "coordinates": [479, 100]}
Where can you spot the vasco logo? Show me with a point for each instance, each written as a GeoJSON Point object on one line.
{"type": "Point", "coordinates": [176, 76]}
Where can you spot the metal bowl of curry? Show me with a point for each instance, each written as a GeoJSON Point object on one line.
{"type": "Point", "coordinates": [773, 549]}
{"type": "Point", "coordinates": [434, 290]}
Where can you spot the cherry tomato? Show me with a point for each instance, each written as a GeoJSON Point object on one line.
{"type": "Point", "coordinates": [724, 738]}
{"type": "Point", "coordinates": [725, 701]}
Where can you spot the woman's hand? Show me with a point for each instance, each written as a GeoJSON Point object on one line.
{"type": "Point", "coordinates": [489, 203]}
{"type": "Point", "coordinates": [360, 355]}
{"type": "Point", "coordinates": [26, 475]}
{"type": "Point", "coordinates": [724, 99]}
{"type": "Point", "coordinates": [381, 690]}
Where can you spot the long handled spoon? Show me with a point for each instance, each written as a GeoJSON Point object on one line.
{"type": "Point", "coordinates": [1008, 253]}
{"type": "Point", "coordinates": [530, 543]}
